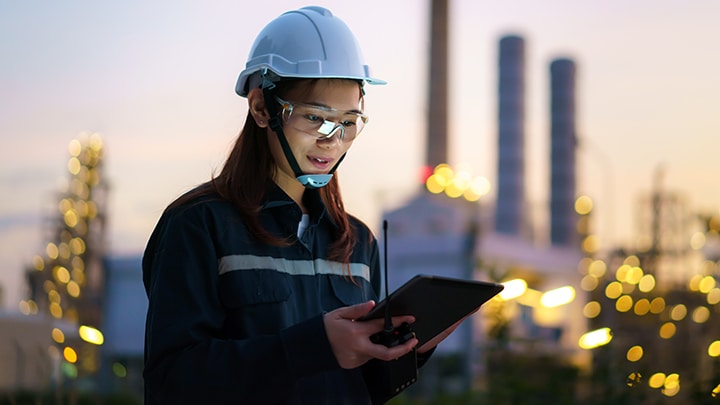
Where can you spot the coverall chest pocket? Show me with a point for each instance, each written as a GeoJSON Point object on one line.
{"type": "Point", "coordinates": [257, 302]}
{"type": "Point", "coordinates": [347, 293]}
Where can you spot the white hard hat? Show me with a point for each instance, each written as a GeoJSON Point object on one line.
{"type": "Point", "coordinates": [306, 43]}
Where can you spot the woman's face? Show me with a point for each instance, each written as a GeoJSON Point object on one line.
{"type": "Point", "coordinates": [339, 102]}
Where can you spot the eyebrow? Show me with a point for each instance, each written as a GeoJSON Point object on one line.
{"type": "Point", "coordinates": [327, 107]}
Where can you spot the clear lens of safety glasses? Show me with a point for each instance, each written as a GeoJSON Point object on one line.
{"type": "Point", "coordinates": [322, 122]}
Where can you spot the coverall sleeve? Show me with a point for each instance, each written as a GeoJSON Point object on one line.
{"type": "Point", "coordinates": [187, 359]}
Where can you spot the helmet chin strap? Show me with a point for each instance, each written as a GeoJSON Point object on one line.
{"type": "Point", "coordinates": [312, 181]}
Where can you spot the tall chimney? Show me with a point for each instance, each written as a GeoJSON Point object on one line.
{"type": "Point", "coordinates": [436, 151]}
{"type": "Point", "coordinates": [509, 212]}
{"type": "Point", "coordinates": [563, 218]}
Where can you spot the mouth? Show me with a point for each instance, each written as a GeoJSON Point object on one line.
{"type": "Point", "coordinates": [320, 162]}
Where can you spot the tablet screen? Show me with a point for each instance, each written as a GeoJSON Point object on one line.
{"type": "Point", "coordinates": [436, 302]}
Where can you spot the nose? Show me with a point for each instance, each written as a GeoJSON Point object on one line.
{"type": "Point", "coordinates": [333, 139]}
{"type": "Point", "coordinates": [330, 128]}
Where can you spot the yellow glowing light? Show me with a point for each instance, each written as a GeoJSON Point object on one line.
{"type": "Point", "coordinates": [74, 165]}
{"type": "Point", "coordinates": [64, 251]}
{"type": "Point", "coordinates": [635, 353]}
{"type": "Point", "coordinates": [58, 335]}
{"type": "Point", "coordinates": [672, 390]}
{"type": "Point", "coordinates": [694, 283]}
{"type": "Point", "coordinates": [633, 379]}
{"type": "Point", "coordinates": [589, 283]}
{"type": "Point", "coordinates": [622, 271]}
{"type": "Point", "coordinates": [590, 244]}
{"type": "Point", "coordinates": [642, 307]}
{"type": "Point", "coordinates": [592, 309]}
{"type": "Point", "coordinates": [713, 296]}
{"type": "Point", "coordinates": [595, 338]}
{"type": "Point", "coordinates": [92, 209]}
{"type": "Point", "coordinates": [678, 312]}
{"type": "Point", "coordinates": [74, 147]}
{"type": "Point", "coordinates": [48, 286]}
{"type": "Point", "coordinates": [701, 315]}
{"type": "Point", "coordinates": [56, 310]}
{"type": "Point", "coordinates": [78, 263]}
{"type": "Point", "coordinates": [657, 380]}
{"type": "Point", "coordinates": [597, 268]}
{"type": "Point", "coordinates": [73, 289]}
{"type": "Point", "coordinates": [61, 274]}
{"type": "Point", "coordinates": [583, 205]}
{"type": "Point", "coordinates": [38, 263]}
{"type": "Point", "coordinates": [82, 208]}
{"type": "Point", "coordinates": [613, 290]}
{"type": "Point", "coordinates": [657, 305]}
{"type": "Point", "coordinates": [632, 260]}
{"type": "Point", "coordinates": [530, 298]}
{"type": "Point", "coordinates": [584, 264]}
{"type": "Point", "coordinates": [714, 349]}
{"type": "Point", "coordinates": [96, 142]}
{"type": "Point", "coordinates": [667, 330]}
{"type": "Point", "coordinates": [513, 289]}
{"type": "Point", "coordinates": [78, 276]}
{"type": "Point", "coordinates": [65, 204]}
{"type": "Point", "coordinates": [71, 218]}
{"type": "Point", "coordinates": [647, 283]}
{"type": "Point", "coordinates": [445, 171]}
{"type": "Point", "coordinates": [559, 296]}
{"type": "Point", "coordinates": [455, 189]}
{"type": "Point", "coordinates": [634, 275]}
{"type": "Point", "coordinates": [77, 246]}
{"type": "Point", "coordinates": [716, 391]}
{"type": "Point", "coordinates": [624, 303]}
{"type": "Point", "coordinates": [709, 267]}
{"type": "Point", "coordinates": [52, 250]}
{"type": "Point", "coordinates": [697, 241]}
{"type": "Point", "coordinates": [672, 382]}
{"type": "Point", "coordinates": [706, 284]}
{"type": "Point", "coordinates": [24, 307]}
{"type": "Point", "coordinates": [480, 186]}
{"type": "Point", "coordinates": [70, 355]}
{"type": "Point", "coordinates": [91, 335]}
{"type": "Point", "coordinates": [54, 296]}
{"type": "Point", "coordinates": [435, 184]}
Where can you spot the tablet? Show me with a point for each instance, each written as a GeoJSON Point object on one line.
{"type": "Point", "coordinates": [436, 302]}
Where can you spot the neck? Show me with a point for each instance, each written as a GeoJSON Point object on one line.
{"type": "Point", "coordinates": [293, 189]}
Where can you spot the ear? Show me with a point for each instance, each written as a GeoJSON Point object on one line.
{"type": "Point", "coordinates": [256, 103]}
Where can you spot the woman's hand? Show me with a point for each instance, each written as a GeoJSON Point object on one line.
{"type": "Point", "coordinates": [350, 340]}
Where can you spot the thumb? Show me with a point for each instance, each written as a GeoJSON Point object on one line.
{"type": "Point", "coordinates": [355, 311]}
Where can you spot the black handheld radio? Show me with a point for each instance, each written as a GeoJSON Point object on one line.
{"type": "Point", "coordinates": [395, 375]}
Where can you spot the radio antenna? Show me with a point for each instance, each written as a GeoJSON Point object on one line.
{"type": "Point", "coordinates": [388, 315]}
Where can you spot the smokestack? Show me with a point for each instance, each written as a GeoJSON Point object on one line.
{"type": "Point", "coordinates": [509, 212]}
{"type": "Point", "coordinates": [563, 218]}
{"type": "Point", "coordinates": [436, 151]}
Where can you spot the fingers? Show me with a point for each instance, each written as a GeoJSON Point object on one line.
{"type": "Point", "coordinates": [355, 311]}
{"type": "Point", "coordinates": [391, 353]}
{"type": "Point", "coordinates": [399, 320]}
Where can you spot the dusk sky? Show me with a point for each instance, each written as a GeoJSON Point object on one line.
{"type": "Point", "coordinates": [156, 81]}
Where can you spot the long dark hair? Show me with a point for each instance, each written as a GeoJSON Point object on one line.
{"type": "Point", "coordinates": [250, 168]}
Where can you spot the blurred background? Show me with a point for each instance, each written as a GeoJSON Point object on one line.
{"type": "Point", "coordinates": [559, 147]}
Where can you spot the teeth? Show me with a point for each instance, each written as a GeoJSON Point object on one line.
{"type": "Point", "coordinates": [320, 160]}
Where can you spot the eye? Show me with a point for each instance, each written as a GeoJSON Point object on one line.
{"type": "Point", "coordinates": [314, 118]}
{"type": "Point", "coordinates": [347, 123]}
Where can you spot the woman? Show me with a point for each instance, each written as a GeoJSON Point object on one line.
{"type": "Point", "coordinates": [256, 277]}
